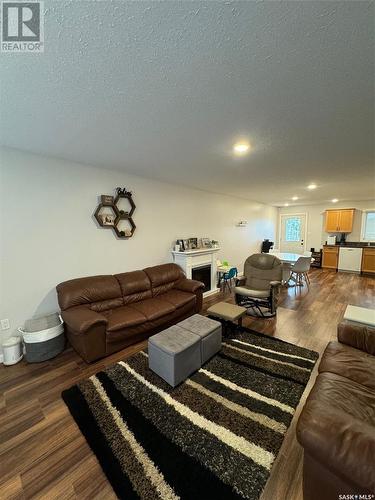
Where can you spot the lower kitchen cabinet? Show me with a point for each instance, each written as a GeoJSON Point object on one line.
{"type": "Point", "coordinates": [330, 257]}
{"type": "Point", "coordinates": [368, 260]}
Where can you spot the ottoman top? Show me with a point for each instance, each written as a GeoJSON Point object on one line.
{"type": "Point", "coordinates": [200, 325]}
{"type": "Point", "coordinates": [227, 311]}
{"type": "Point", "coordinates": [173, 340]}
{"type": "Point", "coordinates": [360, 315]}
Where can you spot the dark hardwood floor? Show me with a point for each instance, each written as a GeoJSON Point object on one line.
{"type": "Point", "coordinates": [42, 452]}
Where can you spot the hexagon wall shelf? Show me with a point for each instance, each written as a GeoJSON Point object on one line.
{"type": "Point", "coordinates": [109, 214]}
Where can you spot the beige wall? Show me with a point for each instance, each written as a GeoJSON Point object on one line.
{"type": "Point", "coordinates": [316, 236]}
{"type": "Point", "coordinates": [48, 235]}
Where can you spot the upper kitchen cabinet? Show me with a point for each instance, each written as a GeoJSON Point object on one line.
{"type": "Point", "coordinates": [339, 221]}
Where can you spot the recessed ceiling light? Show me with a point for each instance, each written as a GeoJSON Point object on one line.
{"type": "Point", "coordinates": [311, 186]}
{"type": "Point", "coordinates": [335, 200]}
{"type": "Point", "coordinates": [241, 148]}
{"type": "Point", "coordinates": [286, 204]}
{"type": "Point", "coordinates": [295, 198]}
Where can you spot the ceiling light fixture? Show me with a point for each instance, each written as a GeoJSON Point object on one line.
{"type": "Point", "coordinates": [286, 204]}
{"type": "Point", "coordinates": [335, 200]}
{"type": "Point", "coordinates": [311, 186]}
{"type": "Point", "coordinates": [241, 148]}
{"type": "Point", "coordinates": [295, 198]}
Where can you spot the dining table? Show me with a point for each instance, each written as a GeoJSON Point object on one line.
{"type": "Point", "coordinates": [287, 259]}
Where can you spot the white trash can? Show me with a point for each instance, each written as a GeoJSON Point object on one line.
{"type": "Point", "coordinates": [12, 351]}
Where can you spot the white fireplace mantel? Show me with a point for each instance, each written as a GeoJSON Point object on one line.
{"type": "Point", "coordinates": [192, 259]}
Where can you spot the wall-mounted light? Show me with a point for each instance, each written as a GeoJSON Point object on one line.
{"type": "Point", "coordinates": [241, 148]}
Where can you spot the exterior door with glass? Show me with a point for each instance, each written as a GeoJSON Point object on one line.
{"type": "Point", "coordinates": [292, 233]}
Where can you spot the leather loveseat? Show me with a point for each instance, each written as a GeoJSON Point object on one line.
{"type": "Point", "coordinates": [104, 314]}
{"type": "Point", "coordinates": [337, 425]}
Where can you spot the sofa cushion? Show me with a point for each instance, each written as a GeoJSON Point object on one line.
{"type": "Point", "coordinates": [127, 336]}
{"type": "Point", "coordinates": [336, 428]}
{"type": "Point", "coordinates": [135, 286]}
{"type": "Point", "coordinates": [124, 317]}
{"type": "Point", "coordinates": [349, 362]}
{"type": "Point", "coordinates": [178, 298]}
{"type": "Point", "coordinates": [153, 308]}
{"type": "Point", "coordinates": [163, 277]}
{"type": "Point", "coordinates": [101, 293]}
{"type": "Point", "coordinates": [248, 292]}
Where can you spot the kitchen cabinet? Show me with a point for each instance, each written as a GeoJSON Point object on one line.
{"type": "Point", "coordinates": [339, 221]}
{"type": "Point", "coordinates": [330, 257]}
{"type": "Point", "coordinates": [368, 260]}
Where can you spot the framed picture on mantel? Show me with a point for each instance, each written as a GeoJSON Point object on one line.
{"type": "Point", "coordinates": [206, 243]}
{"type": "Point", "coordinates": [193, 243]}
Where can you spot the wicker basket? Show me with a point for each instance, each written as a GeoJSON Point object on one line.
{"type": "Point", "coordinates": [43, 337]}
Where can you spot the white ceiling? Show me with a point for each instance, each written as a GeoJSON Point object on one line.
{"type": "Point", "coordinates": [163, 89]}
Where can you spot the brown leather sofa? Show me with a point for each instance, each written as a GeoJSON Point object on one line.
{"type": "Point", "coordinates": [337, 425]}
{"type": "Point", "coordinates": [104, 314]}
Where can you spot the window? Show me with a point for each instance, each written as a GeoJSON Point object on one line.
{"type": "Point", "coordinates": [368, 226]}
{"type": "Point", "coordinates": [293, 229]}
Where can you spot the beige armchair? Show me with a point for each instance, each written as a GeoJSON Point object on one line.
{"type": "Point", "coordinates": [258, 289]}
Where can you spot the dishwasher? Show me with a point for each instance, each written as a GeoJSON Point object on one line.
{"type": "Point", "coordinates": [350, 259]}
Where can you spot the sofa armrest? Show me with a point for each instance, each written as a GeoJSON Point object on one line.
{"type": "Point", "coordinates": [186, 285]}
{"type": "Point", "coordinates": [357, 335]}
{"type": "Point", "coordinates": [341, 443]}
{"type": "Point", "coordinates": [81, 319]}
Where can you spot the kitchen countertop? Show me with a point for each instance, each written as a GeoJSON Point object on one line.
{"type": "Point", "coordinates": [352, 244]}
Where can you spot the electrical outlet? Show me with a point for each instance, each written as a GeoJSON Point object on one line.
{"type": "Point", "coordinates": [5, 325]}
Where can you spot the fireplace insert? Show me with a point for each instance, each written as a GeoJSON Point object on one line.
{"type": "Point", "coordinates": [202, 274]}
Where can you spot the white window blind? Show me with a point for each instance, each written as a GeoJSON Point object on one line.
{"type": "Point", "coordinates": [293, 229]}
{"type": "Point", "coordinates": [369, 226]}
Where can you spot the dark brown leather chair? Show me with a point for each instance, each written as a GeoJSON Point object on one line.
{"type": "Point", "coordinates": [104, 314]}
{"type": "Point", "coordinates": [337, 425]}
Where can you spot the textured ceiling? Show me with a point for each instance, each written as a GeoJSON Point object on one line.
{"type": "Point", "coordinates": [163, 89]}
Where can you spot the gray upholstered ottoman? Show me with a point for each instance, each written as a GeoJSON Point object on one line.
{"type": "Point", "coordinates": [174, 354]}
{"type": "Point", "coordinates": [209, 332]}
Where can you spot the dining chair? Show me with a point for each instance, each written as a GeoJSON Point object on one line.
{"type": "Point", "coordinates": [228, 277]}
{"type": "Point", "coordinates": [299, 271]}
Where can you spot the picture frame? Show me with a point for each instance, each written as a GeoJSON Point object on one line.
{"type": "Point", "coordinates": [206, 243]}
{"type": "Point", "coordinates": [193, 243]}
{"type": "Point", "coordinates": [181, 243]}
{"type": "Point", "coordinates": [186, 245]}
{"type": "Point", "coordinates": [107, 219]}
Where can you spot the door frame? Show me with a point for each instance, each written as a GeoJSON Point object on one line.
{"type": "Point", "coordinates": [293, 215]}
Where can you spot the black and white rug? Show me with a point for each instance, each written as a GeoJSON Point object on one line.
{"type": "Point", "coordinates": [214, 436]}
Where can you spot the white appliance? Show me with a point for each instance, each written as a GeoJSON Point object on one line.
{"type": "Point", "coordinates": [350, 259]}
{"type": "Point", "coordinates": [331, 240]}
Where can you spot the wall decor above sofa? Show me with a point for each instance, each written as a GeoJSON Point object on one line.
{"type": "Point", "coordinates": [117, 213]}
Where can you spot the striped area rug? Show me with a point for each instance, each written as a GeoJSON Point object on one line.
{"type": "Point", "coordinates": [214, 436]}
